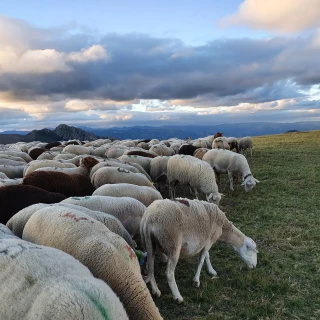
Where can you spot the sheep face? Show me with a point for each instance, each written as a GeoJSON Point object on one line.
{"type": "Point", "coordinates": [248, 252]}
{"type": "Point", "coordinates": [214, 198]}
{"type": "Point", "coordinates": [249, 183]}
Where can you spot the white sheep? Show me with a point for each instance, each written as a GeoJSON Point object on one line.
{"type": "Point", "coordinates": [145, 195]}
{"type": "Point", "coordinates": [36, 164]}
{"type": "Point", "coordinates": [17, 223]}
{"type": "Point", "coordinates": [77, 149]}
{"type": "Point", "coordinates": [39, 282]}
{"type": "Point", "coordinates": [184, 228]}
{"type": "Point", "coordinates": [158, 171]}
{"type": "Point", "coordinates": [12, 172]}
{"type": "Point", "coordinates": [10, 182]}
{"type": "Point", "coordinates": [144, 162]}
{"type": "Point", "coordinates": [197, 174]}
{"type": "Point", "coordinates": [128, 210]}
{"type": "Point", "coordinates": [111, 175]}
{"type": "Point", "coordinates": [162, 150]}
{"type": "Point", "coordinates": [105, 253]}
{"type": "Point", "coordinates": [220, 143]}
{"type": "Point", "coordinates": [246, 143]}
{"type": "Point", "coordinates": [233, 164]}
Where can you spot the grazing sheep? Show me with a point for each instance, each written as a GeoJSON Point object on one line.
{"type": "Point", "coordinates": [71, 185]}
{"type": "Point", "coordinates": [162, 150]}
{"type": "Point", "coordinates": [199, 153]}
{"type": "Point", "coordinates": [112, 175]}
{"type": "Point", "coordinates": [145, 195]}
{"type": "Point", "coordinates": [52, 144]}
{"type": "Point", "coordinates": [36, 164]}
{"type": "Point", "coordinates": [143, 145]}
{"type": "Point", "coordinates": [187, 149]}
{"type": "Point", "coordinates": [35, 152]}
{"type": "Point", "coordinates": [116, 152]}
{"type": "Point", "coordinates": [10, 182]}
{"type": "Point", "coordinates": [195, 173]}
{"type": "Point", "coordinates": [184, 228]}
{"type": "Point", "coordinates": [200, 143]}
{"type": "Point", "coordinates": [77, 149]}
{"type": "Point", "coordinates": [19, 154]}
{"type": "Point", "coordinates": [84, 168]}
{"type": "Point", "coordinates": [12, 172]}
{"type": "Point", "coordinates": [233, 143]}
{"type": "Point", "coordinates": [16, 197]}
{"type": "Point", "coordinates": [18, 221]}
{"type": "Point", "coordinates": [47, 155]}
{"type": "Point", "coordinates": [105, 253]}
{"type": "Point", "coordinates": [158, 171]}
{"type": "Point", "coordinates": [47, 283]}
{"type": "Point", "coordinates": [144, 162]}
{"type": "Point", "coordinates": [128, 210]}
{"type": "Point", "coordinates": [220, 143]}
{"type": "Point", "coordinates": [245, 143]}
{"type": "Point", "coordinates": [232, 163]}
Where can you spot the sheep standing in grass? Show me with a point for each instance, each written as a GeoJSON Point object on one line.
{"type": "Point", "coordinates": [106, 254]}
{"type": "Point", "coordinates": [39, 282]}
{"type": "Point", "coordinates": [184, 228]}
{"type": "Point", "coordinates": [194, 172]}
{"type": "Point", "coordinates": [128, 210]}
{"type": "Point", "coordinates": [245, 143]}
{"type": "Point", "coordinates": [234, 164]}
{"type": "Point", "coordinates": [112, 175]}
{"type": "Point", "coordinates": [145, 195]}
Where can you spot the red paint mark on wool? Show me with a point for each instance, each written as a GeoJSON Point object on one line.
{"type": "Point", "coordinates": [132, 254]}
{"type": "Point", "coordinates": [73, 216]}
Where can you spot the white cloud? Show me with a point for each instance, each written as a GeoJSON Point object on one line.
{"type": "Point", "coordinates": [285, 16]}
{"type": "Point", "coordinates": [93, 53]}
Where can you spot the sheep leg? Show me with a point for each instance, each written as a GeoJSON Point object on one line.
{"type": "Point", "coordinates": [210, 269]}
{"type": "Point", "coordinates": [171, 265]}
{"type": "Point", "coordinates": [231, 180]}
{"type": "Point", "coordinates": [150, 265]}
{"type": "Point", "coordinates": [172, 187]}
{"type": "Point", "coordinates": [203, 254]}
{"type": "Point", "coordinates": [218, 178]}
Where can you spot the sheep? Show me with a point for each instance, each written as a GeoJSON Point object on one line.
{"type": "Point", "coordinates": [115, 152]}
{"type": "Point", "coordinates": [18, 221]}
{"type": "Point", "coordinates": [39, 282]}
{"type": "Point", "coordinates": [20, 154]}
{"type": "Point", "coordinates": [16, 197]}
{"type": "Point", "coordinates": [143, 145]}
{"type": "Point", "coordinates": [245, 143]}
{"type": "Point", "coordinates": [9, 157]}
{"type": "Point", "coordinates": [10, 162]}
{"type": "Point", "coordinates": [140, 152]}
{"type": "Point", "coordinates": [184, 228]}
{"type": "Point", "coordinates": [175, 147]}
{"type": "Point", "coordinates": [47, 155]}
{"type": "Point", "coordinates": [199, 153]}
{"type": "Point", "coordinates": [200, 143]}
{"type": "Point", "coordinates": [10, 182]}
{"type": "Point", "coordinates": [12, 172]}
{"type": "Point", "coordinates": [158, 171]}
{"type": "Point", "coordinates": [187, 149]}
{"type": "Point", "coordinates": [128, 210]}
{"type": "Point", "coordinates": [196, 173]}
{"type": "Point", "coordinates": [232, 163]}
{"type": "Point", "coordinates": [233, 143]}
{"type": "Point", "coordinates": [84, 168]}
{"type": "Point", "coordinates": [145, 195]}
{"type": "Point", "coordinates": [35, 152]}
{"type": "Point", "coordinates": [162, 150]}
{"type": "Point", "coordinates": [77, 149]}
{"type": "Point", "coordinates": [220, 143]}
{"type": "Point", "coordinates": [52, 144]}
{"type": "Point", "coordinates": [36, 164]}
{"type": "Point", "coordinates": [144, 162]}
{"type": "Point", "coordinates": [218, 134]}
{"type": "Point", "coordinates": [105, 253]}
{"type": "Point", "coordinates": [71, 185]}
{"type": "Point", "coordinates": [111, 175]}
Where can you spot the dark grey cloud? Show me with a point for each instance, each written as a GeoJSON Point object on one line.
{"type": "Point", "coordinates": [222, 72]}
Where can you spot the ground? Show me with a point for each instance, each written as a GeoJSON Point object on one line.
{"type": "Point", "coordinates": [282, 214]}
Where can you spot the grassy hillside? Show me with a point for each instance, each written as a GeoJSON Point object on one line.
{"type": "Point", "coordinates": [282, 214]}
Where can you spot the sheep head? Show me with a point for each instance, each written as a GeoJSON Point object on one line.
{"type": "Point", "coordinates": [249, 183]}
{"type": "Point", "coordinates": [214, 198]}
{"type": "Point", "coordinates": [88, 162]}
{"type": "Point", "coordinates": [248, 252]}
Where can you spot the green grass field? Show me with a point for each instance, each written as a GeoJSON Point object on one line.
{"type": "Point", "coordinates": [282, 214]}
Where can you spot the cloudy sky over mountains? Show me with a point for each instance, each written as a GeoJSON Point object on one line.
{"type": "Point", "coordinates": [139, 62]}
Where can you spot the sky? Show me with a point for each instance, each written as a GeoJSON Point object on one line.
{"type": "Point", "coordinates": [123, 63]}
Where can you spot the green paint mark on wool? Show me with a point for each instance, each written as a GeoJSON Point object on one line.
{"type": "Point", "coordinates": [99, 306]}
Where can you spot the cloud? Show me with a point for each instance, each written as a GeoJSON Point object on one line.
{"type": "Point", "coordinates": [285, 16]}
{"type": "Point", "coordinates": [55, 75]}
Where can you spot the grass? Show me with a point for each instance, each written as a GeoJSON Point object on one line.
{"type": "Point", "coordinates": [282, 215]}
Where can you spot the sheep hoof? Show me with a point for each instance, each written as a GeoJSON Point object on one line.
{"type": "Point", "coordinates": [156, 293]}
{"type": "Point", "coordinates": [178, 299]}
{"type": "Point", "coordinates": [196, 283]}
{"type": "Point", "coordinates": [212, 273]}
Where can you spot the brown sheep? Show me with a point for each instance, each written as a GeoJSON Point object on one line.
{"type": "Point", "coordinates": [218, 134]}
{"type": "Point", "coordinates": [17, 197]}
{"type": "Point", "coordinates": [53, 144]}
{"type": "Point", "coordinates": [71, 185]}
{"type": "Point", "coordinates": [36, 152]}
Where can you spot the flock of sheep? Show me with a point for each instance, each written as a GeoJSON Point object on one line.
{"type": "Point", "coordinates": [80, 222]}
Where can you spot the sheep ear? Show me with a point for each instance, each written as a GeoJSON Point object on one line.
{"type": "Point", "coordinates": [251, 244]}
{"type": "Point", "coordinates": [257, 181]}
